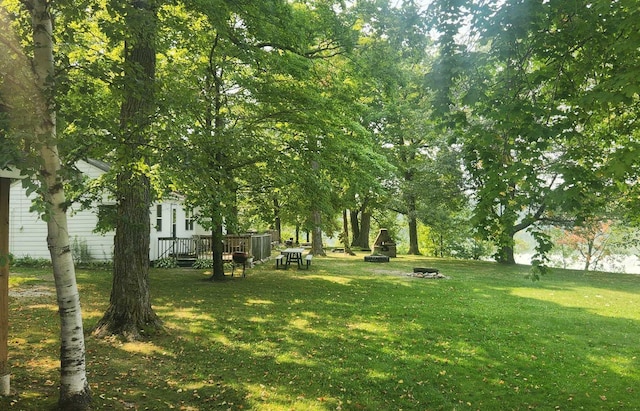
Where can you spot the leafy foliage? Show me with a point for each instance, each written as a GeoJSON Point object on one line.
{"type": "Point", "coordinates": [595, 242]}
{"type": "Point", "coordinates": [203, 263]}
{"type": "Point", "coordinates": [546, 65]}
{"type": "Point", "coordinates": [166, 262]}
{"type": "Point", "coordinates": [80, 251]}
{"type": "Point", "coordinates": [30, 262]}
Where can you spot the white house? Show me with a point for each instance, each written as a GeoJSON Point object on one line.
{"type": "Point", "coordinates": [28, 232]}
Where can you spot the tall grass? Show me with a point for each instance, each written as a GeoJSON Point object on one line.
{"type": "Point", "coordinates": [348, 335]}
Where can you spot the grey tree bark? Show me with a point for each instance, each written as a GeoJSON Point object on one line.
{"type": "Point", "coordinates": [130, 310]}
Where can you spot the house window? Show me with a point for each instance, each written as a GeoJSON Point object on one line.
{"type": "Point", "coordinates": [159, 217]}
{"type": "Point", "coordinates": [188, 222]}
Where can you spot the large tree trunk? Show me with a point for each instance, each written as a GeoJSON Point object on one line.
{"type": "Point", "coordinates": [361, 233]}
{"type": "Point", "coordinates": [74, 387]}
{"type": "Point", "coordinates": [413, 236]}
{"type": "Point", "coordinates": [129, 309]}
{"type": "Point", "coordinates": [506, 255]}
{"type": "Point", "coordinates": [365, 230]}
{"type": "Point", "coordinates": [277, 223]}
{"type": "Point", "coordinates": [217, 249]}
{"type": "Point", "coordinates": [345, 233]}
{"type": "Point", "coordinates": [355, 227]}
{"type": "Point", "coordinates": [505, 245]}
{"type": "Point", "coordinates": [413, 227]}
{"type": "Point", "coordinates": [317, 248]}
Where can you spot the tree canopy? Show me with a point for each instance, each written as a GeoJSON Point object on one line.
{"type": "Point", "coordinates": [522, 113]}
{"type": "Point", "coordinates": [536, 99]}
{"type": "Point", "coordinates": [309, 108]}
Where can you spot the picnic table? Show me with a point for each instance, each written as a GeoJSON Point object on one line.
{"type": "Point", "coordinates": [293, 255]}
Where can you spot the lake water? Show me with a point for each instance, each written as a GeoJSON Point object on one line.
{"type": "Point", "coordinates": [628, 264]}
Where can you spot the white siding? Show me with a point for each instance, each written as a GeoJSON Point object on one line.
{"type": "Point", "coordinates": [170, 207]}
{"type": "Point", "coordinates": [28, 233]}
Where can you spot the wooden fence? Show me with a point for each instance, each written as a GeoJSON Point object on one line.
{"type": "Point", "coordinates": [261, 246]}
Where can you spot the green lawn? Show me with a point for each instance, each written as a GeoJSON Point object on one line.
{"type": "Point", "coordinates": [348, 335]}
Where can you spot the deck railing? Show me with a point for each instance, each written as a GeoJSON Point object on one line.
{"type": "Point", "coordinates": [237, 244]}
{"type": "Point", "coordinates": [170, 247]}
{"type": "Point", "coordinates": [257, 246]}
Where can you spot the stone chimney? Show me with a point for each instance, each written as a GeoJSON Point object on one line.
{"type": "Point", "coordinates": [384, 244]}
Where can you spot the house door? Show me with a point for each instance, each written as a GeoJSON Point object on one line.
{"type": "Point", "coordinates": [174, 222]}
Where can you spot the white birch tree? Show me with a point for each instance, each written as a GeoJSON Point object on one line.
{"type": "Point", "coordinates": [74, 387]}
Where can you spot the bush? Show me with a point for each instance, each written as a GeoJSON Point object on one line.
{"type": "Point", "coordinates": [80, 251]}
{"type": "Point", "coordinates": [28, 261]}
{"type": "Point", "coordinates": [166, 262]}
{"type": "Point", "coordinates": [203, 263]}
{"type": "Point", "coordinates": [96, 264]}
{"type": "Point", "coordinates": [471, 249]}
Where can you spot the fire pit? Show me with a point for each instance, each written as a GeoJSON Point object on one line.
{"type": "Point", "coordinates": [420, 272]}
{"type": "Point", "coordinates": [376, 258]}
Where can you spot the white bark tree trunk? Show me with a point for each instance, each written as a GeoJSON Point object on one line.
{"type": "Point", "coordinates": [74, 386]}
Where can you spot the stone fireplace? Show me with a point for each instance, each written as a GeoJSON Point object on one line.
{"type": "Point", "coordinates": [384, 244]}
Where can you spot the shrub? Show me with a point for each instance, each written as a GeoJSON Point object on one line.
{"type": "Point", "coordinates": [96, 264]}
{"type": "Point", "coordinates": [166, 262]}
{"type": "Point", "coordinates": [28, 261]}
{"type": "Point", "coordinates": [80, 251]}
{"type": "Point", "coordinates": [203, 263]}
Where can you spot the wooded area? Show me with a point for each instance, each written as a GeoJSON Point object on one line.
{"type": "Point", "coordinates": [473, 120]}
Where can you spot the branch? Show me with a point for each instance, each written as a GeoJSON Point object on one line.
{"type": "Point", "coordinates": [317, 53]}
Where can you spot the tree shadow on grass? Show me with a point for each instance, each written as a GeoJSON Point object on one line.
{"type": "Point", "coordinates": [319, 343]}
{"type": "Point", "coordinates": [350, 340]}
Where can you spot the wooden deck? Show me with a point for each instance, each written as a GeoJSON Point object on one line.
{"type": "Point", "coordinates": [187, 250]}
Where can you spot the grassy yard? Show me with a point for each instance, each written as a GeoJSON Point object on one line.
{"type": "Point", "coordinates": [348, 335]}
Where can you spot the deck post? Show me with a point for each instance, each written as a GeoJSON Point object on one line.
{"type": "Point", "coordinates": [5, 186]}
